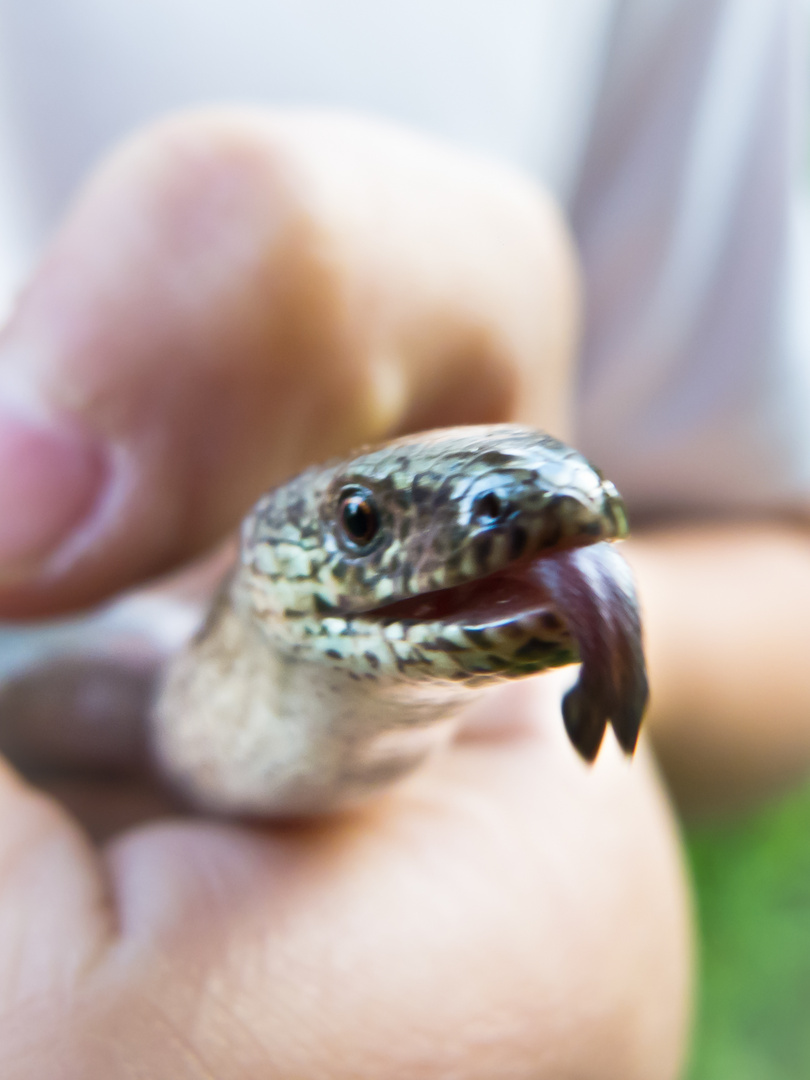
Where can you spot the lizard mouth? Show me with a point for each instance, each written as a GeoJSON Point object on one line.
{"type": "Point", "coordinates": [499, 598]}
{"type": "Point", "coordinates": [586, 593]}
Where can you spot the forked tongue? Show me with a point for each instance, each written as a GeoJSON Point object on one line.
{"type": "Point", "coordinates": [592, 589]}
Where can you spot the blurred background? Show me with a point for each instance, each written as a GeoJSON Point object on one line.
{"type": "Point", "coordinates": [752, 883]}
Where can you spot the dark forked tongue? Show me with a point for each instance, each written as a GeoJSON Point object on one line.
{"type": "Point", "coordinates": [592, 589]}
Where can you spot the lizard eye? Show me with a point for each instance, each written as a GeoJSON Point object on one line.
{"type": "Point", "coordinates": [488, 509]}
{"type": "Point", "coordinates": [358, 516]}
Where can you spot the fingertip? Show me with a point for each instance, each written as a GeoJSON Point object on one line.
{"type": "Point", "coordinates": [235, 295]}
{"type": "Point", "coordinates": [50, 478]}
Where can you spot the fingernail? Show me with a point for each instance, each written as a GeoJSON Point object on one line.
{"type": "Point", "coordinates": [49, 480]}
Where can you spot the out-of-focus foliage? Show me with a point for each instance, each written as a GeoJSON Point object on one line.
{"type": "Point", "coordinates": [753, 896]}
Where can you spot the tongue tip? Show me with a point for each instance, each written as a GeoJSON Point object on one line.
{"type": "Point", "coordinates": [590, 706]}
{"type": "Point", "coordinates": [592, 588]}
{"type": "Point", "coordinates": [584, 721]}
{"type": "Point", "coordinates": [626, 722]}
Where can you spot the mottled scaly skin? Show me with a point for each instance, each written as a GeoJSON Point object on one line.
{"type": "Point", "coordinates": [305, 690]}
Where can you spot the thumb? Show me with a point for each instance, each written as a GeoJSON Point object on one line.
{"type": "Point", "coordinates": [235, 295]}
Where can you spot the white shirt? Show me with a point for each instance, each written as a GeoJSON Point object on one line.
{"type": "Point", "coordinates": [663, 127]}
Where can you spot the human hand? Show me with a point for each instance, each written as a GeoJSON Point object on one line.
{"type": "Point", "coordinates": [232, 297]}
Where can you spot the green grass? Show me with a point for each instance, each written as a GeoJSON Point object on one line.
{"type": "Point", "coordinates": [753, 894]}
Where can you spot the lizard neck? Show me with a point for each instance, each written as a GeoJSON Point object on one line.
{"type": "Point", "coordinates": [243, 725]}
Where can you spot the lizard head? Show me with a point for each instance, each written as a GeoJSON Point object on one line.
{"type": "Point", "coordinates": [457, 555]}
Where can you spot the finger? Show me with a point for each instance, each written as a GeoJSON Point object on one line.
{"type": "Point", "coordinates": [234, 295]}
{"type": "Point", "coordinates": [56, 917]}
{"type": "Point", "coordinates": [509, 912]}
{"type": "Point", "coordinates": [75, 694]}
{"type": "Point", "coordinates": [75, 698]}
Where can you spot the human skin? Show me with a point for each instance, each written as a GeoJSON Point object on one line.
{"type": "Point", "coordinates": [727, 620]}
{"type": "Point", "coordinates": [232, 297]}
